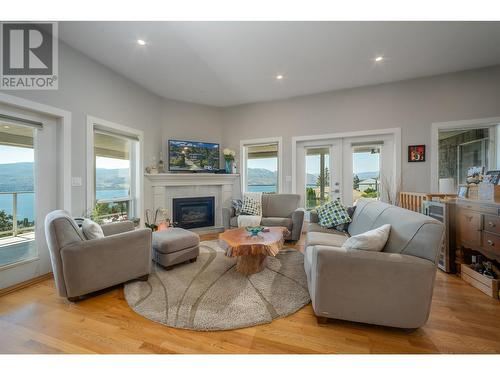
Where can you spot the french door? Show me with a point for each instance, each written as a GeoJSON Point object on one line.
{"type": "Point", "coordinates": [347, 169]}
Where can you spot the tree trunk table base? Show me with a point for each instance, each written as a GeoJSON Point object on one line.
{"type": "Point", "coordinates": [252, 251]}
{"type": "Point", "coordinates": [250, 264]}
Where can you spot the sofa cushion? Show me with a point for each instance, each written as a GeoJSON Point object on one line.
{"type": "Point", "coordinates": [279, 205]}
{"type": "Point", "coordinates": [251, 207]}
{"type": "Point", "coordinates": [277, 222]}
{"type": "Point", "coordinates": [174, 239]}
{"type": "Point", "coordinates": [373, 240]}
{"type": "Point", "coordinates": [91, 230]}
{"type": "Point", "coordinates": [411, 233]}
{"type": "Point", "coordinates": [326, 239]}
{"type": "Point", "coordinates": [315, 227]}
{"type": "Point", "coordinates": [332, 214]}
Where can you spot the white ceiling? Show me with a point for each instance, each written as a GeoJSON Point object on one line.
{"type": "Point", "coordinates": [230, 63]}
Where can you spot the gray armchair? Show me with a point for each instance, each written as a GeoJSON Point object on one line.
{"type": "Point", "coordinates": [393, 287]}
{"type": "Point", "coordinates": [278, 210]}
{"type": "Point", "coordinates": [83, 266]}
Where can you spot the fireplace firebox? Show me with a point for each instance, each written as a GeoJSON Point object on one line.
{"type": "Point", "coordinates": [195, 212]}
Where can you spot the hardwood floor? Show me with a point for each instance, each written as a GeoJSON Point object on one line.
{"type": "Point", "coordinates": [36, 320]}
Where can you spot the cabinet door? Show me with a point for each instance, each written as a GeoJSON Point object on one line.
{"type": "Point", "coordinates": [469, 228]}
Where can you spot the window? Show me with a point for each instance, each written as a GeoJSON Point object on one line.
{"type": "Point", "coordinates": [460, 150]}
{"type": "Point", "coordinates": [262, 167]}
{"type": "Point", "coordinates": [115, 180]}
{"type": "Point", "coordinates": [17, 193]}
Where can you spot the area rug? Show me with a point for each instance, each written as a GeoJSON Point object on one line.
{"type": "Point", "coordinates": [209, 295]}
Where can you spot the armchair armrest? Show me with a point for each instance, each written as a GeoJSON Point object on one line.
{"type": "Point", "coordinates": [99, 263]}
{"type": "Point", "coordinates": [227, 214]}
{"type": "Point", "coordinates": [313, 216]}
{"type": "Point", "coordinates": [371, 287]}
{"type": "Point", "coordinates": [297, 223]}
{"type": "Point", "coordinates": [117, 227]}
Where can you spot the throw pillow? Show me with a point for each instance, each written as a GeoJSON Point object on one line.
{"type": "Point", "coordinates": [91, 230]}
{"type": "Point", "coordinates": [236, 204]}
{"type": "Point", "coordinates": [373, 240]}
{"type": "Point", "coordinates": [344, 227]}
{"type": "Point", "coordinates": [332, 214]}
{"type": "Point", "coordinates": [250, 207]}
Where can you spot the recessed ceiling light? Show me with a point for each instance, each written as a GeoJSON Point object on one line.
{"type": "Point", "coordinates": [279, 77]}
{"type": "Point", "coordinates": [6, 126]}
{"type": "Point", "coordinates": [379, 58]}
{"type": "Point", "coordinates": [141, 42]}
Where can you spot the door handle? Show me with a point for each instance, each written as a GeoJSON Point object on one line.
{"type": "Point", "coordinates": [491, 243]}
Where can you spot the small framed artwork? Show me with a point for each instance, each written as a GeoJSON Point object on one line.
{"type": "Point", "coordinates": [416, 153]}
{"type": "Point", "coordinates": [493, 176]}
{"type": "Point", "coordinates": [462, 191]}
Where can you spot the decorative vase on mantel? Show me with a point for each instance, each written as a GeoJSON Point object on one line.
{"type": "Point", "coordinates": [229, 166]}
{"type": "Point", "coordinates": [229, 157]}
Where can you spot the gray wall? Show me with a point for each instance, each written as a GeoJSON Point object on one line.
{"type": "Point", "coordinates": [89, 88]}
{"type": "Point", "coordinates": [411, 105]}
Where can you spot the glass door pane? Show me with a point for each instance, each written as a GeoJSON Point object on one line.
{"type": "Point", "coordinates": [317, 176]}
{"type": "Point", "coordinates": [366, 172]}
{"type": "Point", "coordinates": [17, 196]}
{"type": "Point", "coordinates": [472, 154]}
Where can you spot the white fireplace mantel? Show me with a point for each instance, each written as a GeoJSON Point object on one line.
{"type": "Point", "coordinates": [167, 186]}
{"type": "Point", "coordinates": [190, 179]}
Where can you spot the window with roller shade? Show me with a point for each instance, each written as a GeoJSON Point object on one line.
{"type": "Point", "coordinates": [262, 168]}
{"type": "Point", "coordinates": [113, 181]}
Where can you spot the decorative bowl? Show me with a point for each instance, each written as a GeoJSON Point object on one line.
{"type": "Point", "coordinates": [254, 231]}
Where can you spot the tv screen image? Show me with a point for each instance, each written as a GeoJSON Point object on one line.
{"type": "Point", "coordinates": [193, 156]}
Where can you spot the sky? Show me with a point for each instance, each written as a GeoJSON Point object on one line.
{"type": "Point", "coordinates": [10, 154]}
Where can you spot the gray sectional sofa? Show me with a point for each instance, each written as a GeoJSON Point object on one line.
{"type": "Point", "coordinates": [278, 210]}
{"type": "Point", "coordinates": [391, 288]}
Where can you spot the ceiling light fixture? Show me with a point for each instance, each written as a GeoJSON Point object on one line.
{"type": "Point", "coordinates": [141, 42]}
{"type": "Point", "coordinates": [379, 58]}
{"type": "Point", "coordinates": [279, 77]}
{"type": "Point", "coordinates": [6, 126]}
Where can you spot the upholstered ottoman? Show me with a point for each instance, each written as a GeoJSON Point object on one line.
{"type": "Point", "coordinates": [174, 246]}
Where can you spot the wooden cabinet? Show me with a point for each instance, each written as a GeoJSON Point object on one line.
{"type": "Point", "coordinates": [468, 227]}
{"type": "Point", "coordinates": [478, 228]}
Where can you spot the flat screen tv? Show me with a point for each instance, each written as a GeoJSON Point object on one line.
{"type": "Point", "coordinates": [193, 156]}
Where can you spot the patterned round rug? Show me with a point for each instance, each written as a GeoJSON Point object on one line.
{"type": "Point", "coordinates": [209, 295]}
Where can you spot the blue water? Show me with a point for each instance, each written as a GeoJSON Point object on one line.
{"type": "Point", "coordinates": [267, 188]}
{"type": "Point", "coordinates": [26, 202]}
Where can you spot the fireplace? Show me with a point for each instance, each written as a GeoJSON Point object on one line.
{"type": "Point", "coordinates": [195, 212]}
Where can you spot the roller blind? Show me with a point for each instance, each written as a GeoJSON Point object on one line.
{"type": "Point", "coordinates": [263, 151]}
{"type": "Point", "coordinates": [15, 135]}
{"type": "Point", "coordinates": [108, 145]}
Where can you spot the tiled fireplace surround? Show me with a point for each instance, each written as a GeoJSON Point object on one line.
{"type": "Point", "coordinates": [164, 187]}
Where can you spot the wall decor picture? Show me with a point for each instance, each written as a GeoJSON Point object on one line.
{"type": "Point", "coordinates": [416, 153]}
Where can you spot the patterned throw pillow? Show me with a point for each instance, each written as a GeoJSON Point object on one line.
{"type": "Point", "coordinates": [236, 204]}
{"type": "Point", "coordinates": [332, 214]}
{"type": "Point", "coordinates": [250, 207]}
{"type": "Point", "coordinates": [345, 227]}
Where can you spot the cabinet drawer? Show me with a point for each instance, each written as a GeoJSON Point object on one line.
{"type": "Point", "coordinates": [491, 242]}
{"type": "Point", "coordinates": [492, 223]}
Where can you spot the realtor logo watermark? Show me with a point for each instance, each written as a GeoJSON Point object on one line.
{"type": "Point", "coordinates": [29, 56]}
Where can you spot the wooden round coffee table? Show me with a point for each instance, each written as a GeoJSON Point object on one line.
{"type": "Point", "coordinates": [252, 251]}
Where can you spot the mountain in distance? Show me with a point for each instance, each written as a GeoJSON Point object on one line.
{"type": "Point", "coordinates": [364, 175]}
{"type": "Point", "coordinates": [261, 176]}
{"type": "Point", "coordinates": [19, 177]}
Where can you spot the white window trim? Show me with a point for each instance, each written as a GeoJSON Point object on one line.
{"type": "Point", "coordinates": [137, 169]}
{"type": "Point", "coordinates": [453, 125]}
{"type": "Point", "coordinates": [243, 162]}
